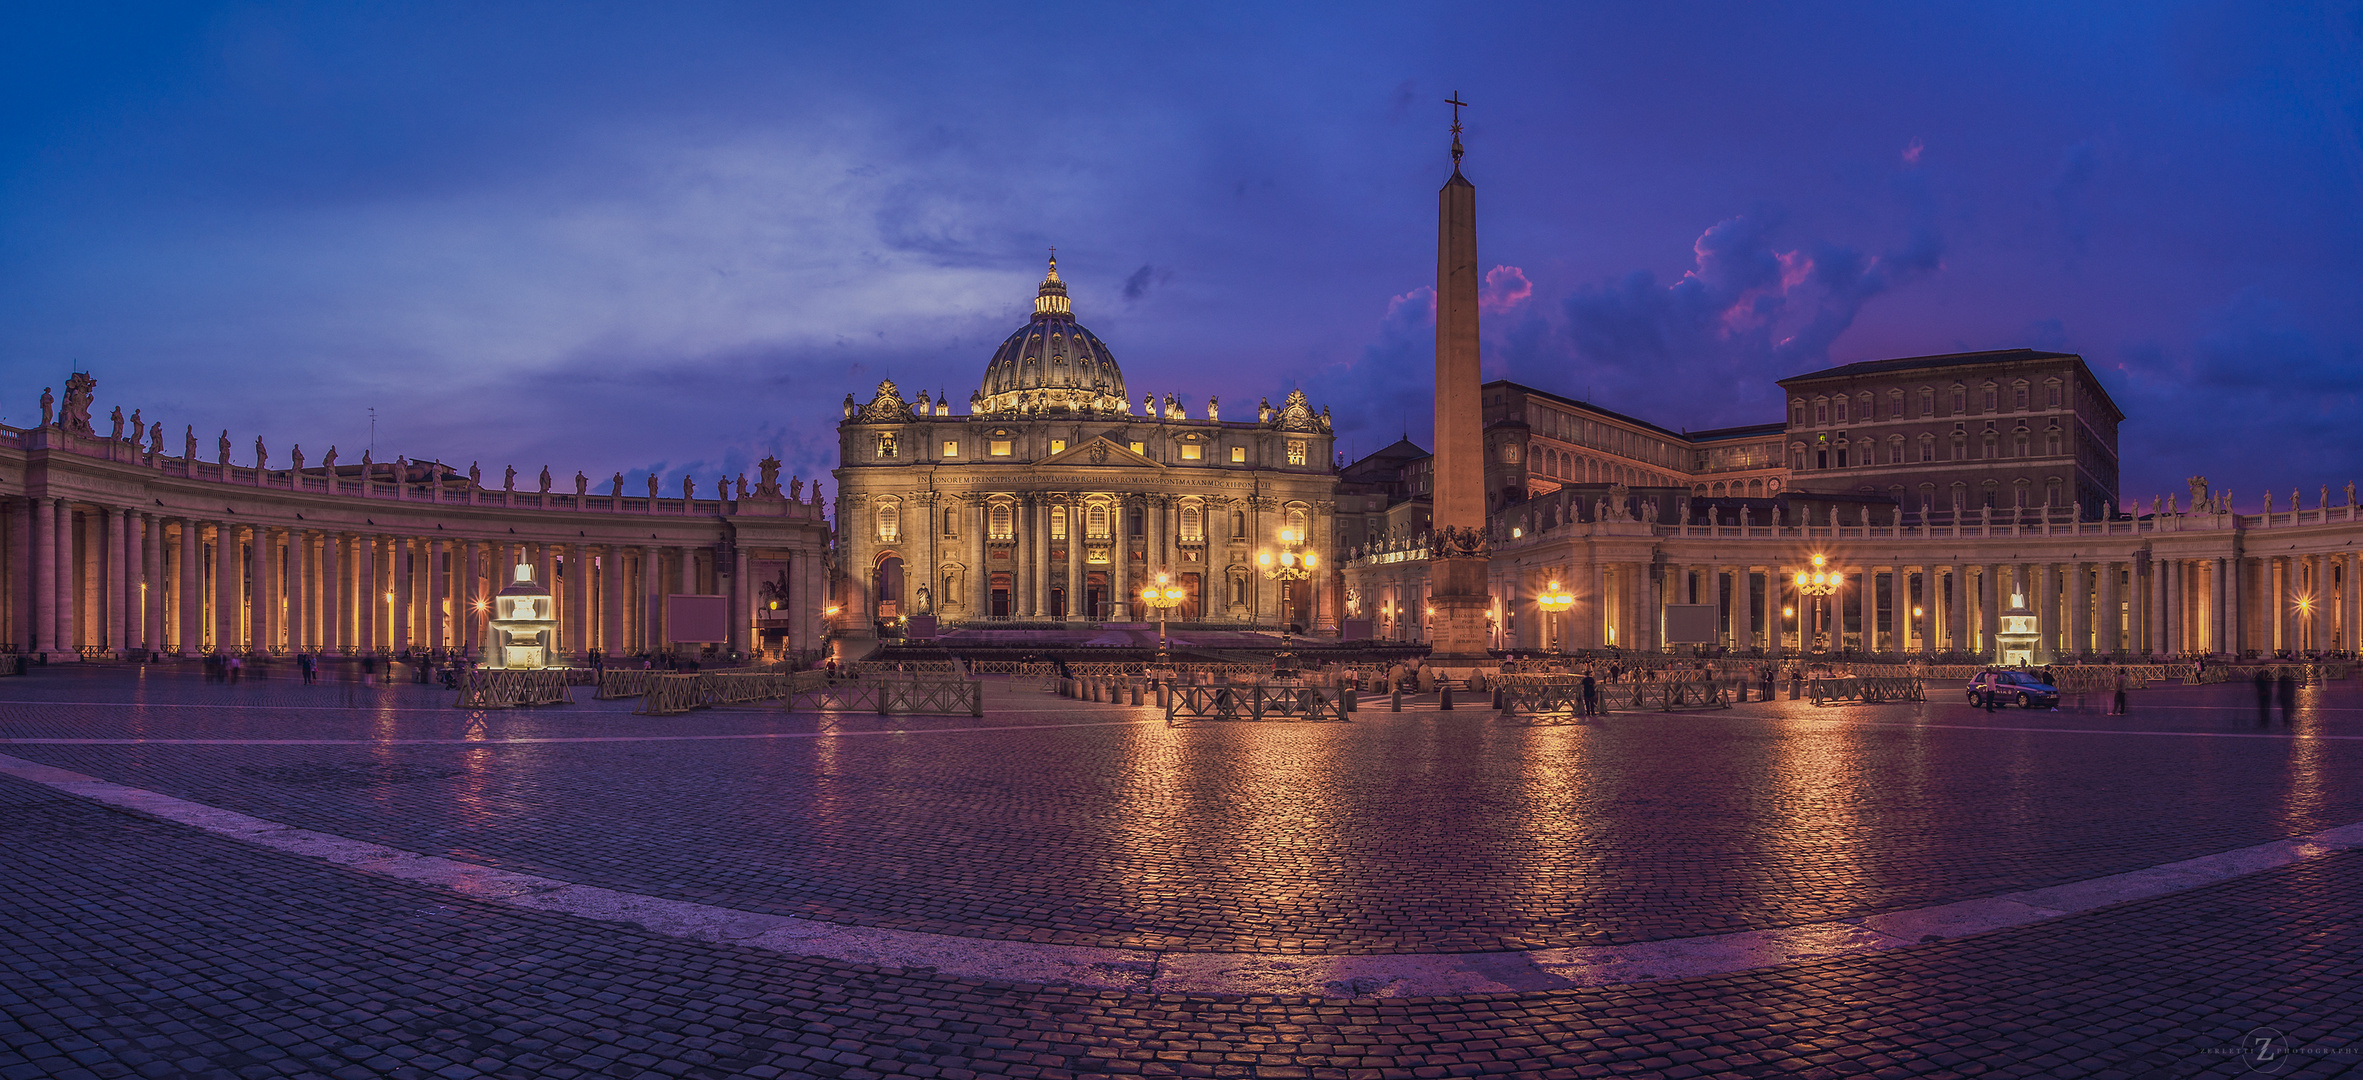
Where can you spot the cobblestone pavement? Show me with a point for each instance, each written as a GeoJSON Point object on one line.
{"type": "Point", "coordinates": [135, 945]}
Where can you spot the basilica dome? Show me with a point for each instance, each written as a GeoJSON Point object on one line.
{"type": "Point", "coordinates": [1051, 364]}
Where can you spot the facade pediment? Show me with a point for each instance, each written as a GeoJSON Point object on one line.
{"type": "Point", "coordinates": [1099, 452]}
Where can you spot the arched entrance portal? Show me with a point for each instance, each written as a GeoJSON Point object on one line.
{"type": "Point", "coordinates": [886, 587]}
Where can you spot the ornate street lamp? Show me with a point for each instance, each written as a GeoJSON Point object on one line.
{"type": "Point", "coordinates": [1292, 564]}
{"type": "Point", "coordinates": [1553, 601]}
{"type": "Point", "coordinates": [1164, 595]}
{"type": "Point", "coordinates": [1816, 584]}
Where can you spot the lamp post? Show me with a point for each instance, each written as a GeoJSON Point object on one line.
{"type": "Point", "coordinates": [1164, 595]}
{"type": "Point", "coordinates": [1292, 564]}
{"type": "Point", "coordinates": [1553, 601]}
{"type": "Point", "coordinates": [1816, 584]}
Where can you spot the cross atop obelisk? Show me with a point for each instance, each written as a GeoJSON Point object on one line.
{"type": "Point", "coordinates": [1458, 551]}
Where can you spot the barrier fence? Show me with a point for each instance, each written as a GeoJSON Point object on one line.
{"type": "Point", "coordinates": [1865, 688]}
{"type": "Point", "coordinates": [669, 694]}
{"type": "Point", "coordinates": [1256, 701]}
{"type": "Point", "coordinates": [508, 688]}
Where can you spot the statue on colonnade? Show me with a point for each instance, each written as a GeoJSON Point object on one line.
{"type": "Point", "coordinates": [742, 486]}
{"type": "Point", "coordinates": [118, 419]}
{"type": "Point", "coordinates": [545, 479]}
{"type": "Point", "coordinates": [1214, 407]}
{"type": "Point", "coordinates": [74, 416]}
{"type": "Point", "coordinates": [136, 426]}
{"type": "Point", "coordinates": [509, 482]}
{"type": "Point", "coordinates": [618, 490]}
{"type": "Point", "coordinates": [328, 460]}
{"type": "Point", "coordinates": [190, 450]}
{"type": "Point", "coordinates": [2198, 492]}
{"type": "Point", "coordinates": [688, 486]}
{"type": "Point", "coordinates": [796, 489]}
{"type": "Point", "coordinates": [295, 453]}
{"type": "Point", "coordinates": [767, 477]}
{"type": "Point", "coordinates": [261, 457]}
{"type": "Point", "coordinates": [155, 438]}
{"type": "Point", "coordinates": [582, 484]}
{"type": "Point", "coordinates": [652, 481]}
{"type": "Point", "coordinates": [222, 445]}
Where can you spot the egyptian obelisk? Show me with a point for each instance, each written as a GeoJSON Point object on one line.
{"type": "Point", "coordinates": [1457, 551]}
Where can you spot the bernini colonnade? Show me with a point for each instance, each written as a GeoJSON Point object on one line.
{"type": "Point", "coordinates": [110, 549]}
{"type": "Point", "coordinates": [2166, 583]}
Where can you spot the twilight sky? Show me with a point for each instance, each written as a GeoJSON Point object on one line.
{"type": "Point", "coordinates": [610, 236]}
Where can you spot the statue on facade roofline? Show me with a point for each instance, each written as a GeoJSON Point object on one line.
{"type": "Point", "coordinates": [48, 407]}
{"type": "Point", "coordinates": [545, 479]}
{"type": "Point", "coordinates": [475, 474]}
{"type": "Point", "coordinates": [156, 437]}
{"type": "Point", "coordinates": [296, 454]}
{"type": "Point", "coordinates": [74, 415]}
{"type": "Point", "coordinates": [509, 482]}
{"type": "Point", "coordinates": [1214, 408]}
{"type": "Point", "coordinates": [118, 419]}
{"type": "Point", "coordinates": [2268, 500]}
{"type": "Point", "coordinates": [223, 445]}
{"type": "Point", "coordinates": [2293, 500]}
{"type": "Point", "coordinates": [652, 483]}
{"type": "Point", "coordinates": [262, 457]}
{"type": "Point", "coordinates": [618, 490]}
{"type": "Point", "coordinates": [767, 477]}
{"type": "Point", "coordinates": [191, 451]}
{"type": "Point", "coordinates": [2350, 493]}
{"type": "Point", "coordinates": [2325, 497]}
{"type": "Point", "coordinates": [136, 426]}
{"type": "Point", "coordinates": [582, 484]}
{"type": "Point", "coordinates": [688, 486]}
{"type": "Point", "coordinates": [328, 460]}
{"type": "Point", "coordinates": [796, 489]}
{"type": "Point", "coordinates": [742, 486]}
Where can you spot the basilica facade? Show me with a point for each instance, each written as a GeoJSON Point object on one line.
{"type": "Point", "coordinates": [1053, 498]}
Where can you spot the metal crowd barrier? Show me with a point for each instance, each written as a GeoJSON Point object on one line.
{"type": "Point", "coordinates": [507, 688]}
{"type": "Point", "coordinates": [1865, 688]}
{"type": "Point", "coordinates": [1258, 701]}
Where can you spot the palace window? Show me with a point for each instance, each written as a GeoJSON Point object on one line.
{"type": "Point", "coordinates": [1058, 523]}
{"type": "Point", "coordinates": [1991, 440]}
{"type": "Point", "coordinates": [999, 519]}
{"type": "Point", "coordinates": [886, 446]}
{"type": "Point", "coordinates": [1895, 405]}
{"type": "Point", "coordinates": [1191, 451]}
{"type": "Point", "coordinates": [1193, 522]}
{"type": "Point", "coordinates": [1296, 452]}
{"type": "Point", "coordinates": [1960, 400]}
{"type": "Point", "coordinates": [951, 448]}
{"type": "Point", "coordinates": [1058, 446]}
{"type": "Point", "coordinates": [1895, 451]}
{"type": "Point", "coordinates": [1821, 411]}
{"type": "Point", "coordinates": [1927, 448]}
{"type": "Point", "coordinates": [2051, 493]}
{"type": "Point", "coordinates": [1841, 417]}
{"type": "Point", "coordinates": [1095, 521]}
{"type": "Point", "coordinates": [1989, 400]}
{"type": "Point", "coordinates": [1238, 455]}
{"type": "Point", "coordinates": [1141, 448]}
{"type": "Point", "coordinates": [1136, 522]}
{"type": "Point", "coordinates": [2021, 444]}
{"type": "Point", "coordinates": [1796, 414]}
{"type": "Point", "coordinates": [890, 522]}
{"type": "Point", "coordinates": [1960, 448]}
{"type": "Point", "coordinates": [1928, 403]}
{"type": "Point", "coordinates": [2019, 394]}
{"type": "Point", "coordinates": [2051, 444]}
{"type": "Point", "coordinates": [1000, 448]}
{"type": "Point", "coordinates": [2051, 395]}
{"type": "Point", "coordinates": [1238, 524]}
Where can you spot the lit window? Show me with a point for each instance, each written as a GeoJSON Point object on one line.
{"type": "Point", "coordinates": [1095, 521]}
{"type": "Point", "coordinates": [1141, 449]}
{"type": "Point", "coordinates": [951, 448]}
{"type": "Point", "coordinates": [1192, 451]}
{"type": "Point", "coordinates": [1058, 446]}
{"type": "Point", "coordinates": [1000, 448]}
{"type": "Point", "coordinates": [1296, 453]}
{"type": "Point", "coordinates": [1193, 522]}
{"type": "Point", "coordinates": [1058, 523]}
{"type": "Point", "coordinates": [1000, 522]}
{"type": "Point", "coordinates": [885, 446]}
{"type": "Point", "coordinates": [1238, 455]}
{"type": "Point", "coordinates": [889, 523]}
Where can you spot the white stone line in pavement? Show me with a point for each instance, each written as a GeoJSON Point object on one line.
{"type": "Point", "coordinates": [67, 740]}
{"type": "Point", "coordinates": [2283, 736]}
{"type": "Point", "coordinates": [1158, 971]}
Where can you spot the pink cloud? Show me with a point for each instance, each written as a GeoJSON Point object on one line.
{"type": "Point", "coordinates": [1505, 288]}
{"type": "Point", "coordinates": [1912, 152]}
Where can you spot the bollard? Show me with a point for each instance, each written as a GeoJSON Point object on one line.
{"type": "Point", "coordinates": [1444, 703]}
{"type": "Point", "coordinates": [1164, 695]}
{"type": "Point", "coordinates": [1256, 699]}
{"type": "Point", "coordinates": [976, 699]}
{"type": "Point", "coordinates": [1395, 702]}
{"type": "Point", "coordinates": [1497, 697]}
{"type": "Point", "coordinates": [881, 697]}
{"type": "Point", "coordinates": [1351, 705]}
{"type": "Point", "coordinates": [1136, 691]}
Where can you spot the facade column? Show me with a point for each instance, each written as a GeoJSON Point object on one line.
{"type": "Point", "coordinates": [652, 573]}
{"type": "Point", "coordinates": [117, 640]}
{"type": "Point", "coordinates": [976, 586]}
{"type": "Point", "coordinates": [43, 554]}
{"type": "Point", "coordinates": [191, 592]}
{"type": "Point", "coordinates": [20, 571]}
{"type": "Point", "coordinates": [1743, 607]}
{"type": "Point", "coordinates": [1075, 549]}
{"type": "Point", "coordinates": [405, 585]}
{"type": "Point", "coordinates": [333, 636]}
{"type": "Point", "coordinates": [611, 582]}
{"type": "Point", "coordinates": [1120, 573]}
{"type": "Point", "coordinates": [576, 640]}
{"type": "Point", "coordinates": [2046, 593]}
{"type": "Point", "coordinates": [742, 596]}
{"type": "Point", "coordinates": [68, 598]}
{"type": "Point", "coordinates": [1957, 623]}
{"type": "Point", "coordinates": [299, 590]}
{"type": "Point", "coordinates": [2176, 608]}
{"type": "Point", "coordinates": [229, 573]}
{"type": "Point", "coordinates": [2079, 617]}
{"type": "Point", "coordinates": [1038, 559]}
{"type": "Point", "coordinates": [2112, 618]}
{"type": "Point", "coordinates": [368, 621]}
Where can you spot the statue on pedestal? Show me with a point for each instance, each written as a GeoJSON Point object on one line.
{"type": "Point", "coordinates": [2198, 492]}
{"type": "Point", "coordinates": [136, 427]}
{"type": "Point", "coordinates": [767, 477]}
{"type": "Point", "coordinates": [48, 407]}
{"type": "Point", "coordinates": [2268, 500]}
{"type": "Point", "coordinates": [816, 493]}
{"type": "Point", "coordinates": [261, 457]}
{"type": "Point", "coordinates": [190, 451]}
{"type": "Point", "coordinates": [74, 415]}
{"type": "Point", "coordinates": [2325, 503]}
{"type": "Point", "coordinates": [1148, 406]}
{"type": "Point", "coordinates": [688, 486]}
{"type": "Point", "coordinates": [1214, 408]}
{"type": "Point", "coordinates": [2350, 493]}
{"type": "Point", "coordinates": [1263, 412]}
{"type": "Point", "coordinates": [155, 438]}
{"type": "Point", "coordinates": [582, 484]}
{"type": "Point", "coordinates": [618, 490]}
{"type": "Point", "coordinates": [509, 482]}
{"type": "Point", "coordinates": [2293, 507]}
{"type": "Point", "coordinates": [475, 475]}
{"type": "Point", "coordinates": [742, 485]}
{"type": "Point", "coordinates": [117, 417]}
{"type": "Point", "coordinates": [222, 445]}
{"type": "Point", "coordinates": [652, 479]}
{"type": "Point", "coordinates": [850, 407]}
{"type": "Point", "coordinates": [365, 463]}
{"type": "Point", "coordinates": [296, 454]}
{"type": "Point", "coordinates": [328, 460]}
{"type": "Point", "coordinates": [545, 479]}
{"type": "Point", "coordinates": [796, 489]}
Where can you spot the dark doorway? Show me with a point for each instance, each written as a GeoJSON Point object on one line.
{"type": "Point", "coordinates": [1000, 609]}
{"type": "Point", "coordinates": [886, 587]}
{"type": "Point", "coordinates": [1190, 609]}
{"type": "Point", "coordinates": [1058, 603]}
{"type": "Point", "coordinates": [1095, 595]}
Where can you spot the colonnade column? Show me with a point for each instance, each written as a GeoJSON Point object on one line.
{"type": "Point", "coordinates": [1957, 618]}
{"type": "Point", "coordinates": [191, 593]}
{"type": "Point", "coordinates": [333, 636]}
{"type": "Point", "coordinates": [43, 551]}
{"type": "Point", "coordinates": [2112, 620]}
{"type": "Point", "coordinates": [116, 641]}
{"type": "Point", "coordinates": [1743, 607]}
{"type": "Point", "coordinates": [151, 544]}
{"type": "Point", "coordinates": [367, 554]}
{"type": "Point", "coordinates": [611, 585]}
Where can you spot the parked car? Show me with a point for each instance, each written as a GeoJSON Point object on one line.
{"type": "Point", "coordinates": [2022, 688]}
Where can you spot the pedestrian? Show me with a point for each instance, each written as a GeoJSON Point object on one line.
{"type": "Point", "coordinates": [2288, 695]}
{"type": "Point", "coordinates": [2264, 697]}
{"type": "Point", "coordinates": [237, 669]}
{"type": "Point", "coordinates": [1591, 696]}
{"type": "Point", "coordinates": [2118, 709]}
